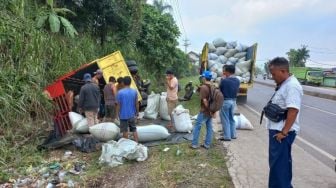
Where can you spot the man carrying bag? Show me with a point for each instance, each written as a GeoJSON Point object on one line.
{"type": "Point", "coordinates": [282, 113]}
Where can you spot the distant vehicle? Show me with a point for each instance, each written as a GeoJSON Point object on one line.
{"type": "Point", "coordinates": [308, 75]}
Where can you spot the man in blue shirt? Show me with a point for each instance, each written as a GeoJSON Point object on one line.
{"type": "Point", "coordinates": [128, 108]}
{"type": "Point", "coordinates": [229, 86]}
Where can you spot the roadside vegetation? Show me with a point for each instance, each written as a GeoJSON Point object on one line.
{"type": "Point", "coordinates": [42, 40]}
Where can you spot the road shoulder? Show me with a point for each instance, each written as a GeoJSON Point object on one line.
{"type": "Point", "coordinates": [247, 160]}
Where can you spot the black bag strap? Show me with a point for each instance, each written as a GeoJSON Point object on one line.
{"type": "Point", "coordinates": [263, 112]}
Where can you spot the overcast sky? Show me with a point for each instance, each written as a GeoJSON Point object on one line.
{"type": "Point", "coordinates": [276, 25]}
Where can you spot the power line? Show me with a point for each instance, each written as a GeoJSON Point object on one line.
{"type": "Point", "coordinates": [320, 63]}
{"type": "Point", "coordinates": [322, 48]}
{"type": "Point", "coordinates": [179, 14]}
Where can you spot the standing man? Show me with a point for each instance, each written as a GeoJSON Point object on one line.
{"type": "Point", "coordinates": [128, 109]}
{"type": "Point", "coordinates": [204, 115]}
{"type": "Point", "coordinates": [229, 87]}
{"type": "Point", "coordinates": [172, 89]}
{"type": "Point", "coordinates": [97, 76]}
{"type": "Point", "coordinates": [89, 100]}
{"type": "Point", "coordinates": [120, 84]}
{"type": "Point", "coordinates": [282, 134]}
{"type": "Point", "coordinates": [110, 92]}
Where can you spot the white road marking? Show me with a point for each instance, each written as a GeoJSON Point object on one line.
{"type": "Point", "coordinates": [324, 153]}
{"type": "Point", "coordinates": [319, 109]}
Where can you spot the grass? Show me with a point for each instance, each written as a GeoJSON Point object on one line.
{"type": "Point", "coordinates": [180, 166]}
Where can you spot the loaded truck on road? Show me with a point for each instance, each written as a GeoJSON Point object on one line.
{"type": "Point", "coordinates": [308, 75]}
{"type": "Point", "coordinates": [243, 57]}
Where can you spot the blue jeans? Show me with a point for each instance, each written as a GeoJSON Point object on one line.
{"type": "Point", "coordinates": [208, 138]}
{"type": "Point", "coordinates": [226, 116]}
{"type": "Point", "coordinates": [280, 160]}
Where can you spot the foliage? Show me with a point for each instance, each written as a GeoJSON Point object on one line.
{"type": "Point", "coordinates": [298, 57]}
{"type": "Point", "coordinates": [109, 20]}
{"type": "Point", "coordinates": [161, 6]}
{"type": "Point", "coordinates": [31, 58]}
{"type": "Point", "coordinates": [158, 40]}
{"type": "Point", "coordinates": [52, 16]}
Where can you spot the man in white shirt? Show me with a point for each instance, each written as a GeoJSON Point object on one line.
{"type": "Point", "coordinates": [282, 134]}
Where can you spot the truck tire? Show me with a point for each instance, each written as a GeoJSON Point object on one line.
{"type": "Point", "coordinates": [242, 99]}
{"type": "Point", "coordinates": [130, 63]}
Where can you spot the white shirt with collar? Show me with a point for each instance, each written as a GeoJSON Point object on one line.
{"type": "Point", "coordinates": [289, 95]}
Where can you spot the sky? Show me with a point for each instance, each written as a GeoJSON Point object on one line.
{"type": "Point", "coordinates": [276, 25]}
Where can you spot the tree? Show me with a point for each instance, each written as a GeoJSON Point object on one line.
{"type": "Point", "coordinates": [298, 57]}
{"type": "Point", "coordinates": [114, 21]}
{"type": "Point", "coordinates": [52, 16]}
{"type": "Point", "coordinates": [161, 6]}
{"type": "Point", "coordinates": [158, 41]}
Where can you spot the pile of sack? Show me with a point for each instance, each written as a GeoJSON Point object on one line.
{"type": "Point", "coordinates": [157, 107]}
{"type": "Point", "coordinates": [229, 53]}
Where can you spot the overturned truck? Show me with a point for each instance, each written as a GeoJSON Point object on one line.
{"type": "Point", "coordinates": [64, 90]}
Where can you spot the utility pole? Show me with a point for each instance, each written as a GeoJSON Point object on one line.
{"type": "Point", "coordinates": [186, 44]}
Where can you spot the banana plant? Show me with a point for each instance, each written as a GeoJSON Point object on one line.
{"type": "Point", "coordinates": [55, 20]}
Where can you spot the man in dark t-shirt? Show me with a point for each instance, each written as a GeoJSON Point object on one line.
{"type": "Point", "coordinates": [204, 115]}
{"type": "Point", "coordinates": [229, 87]}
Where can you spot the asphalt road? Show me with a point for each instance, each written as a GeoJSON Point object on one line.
{"type": "Point", "coordinates": [317, 121]}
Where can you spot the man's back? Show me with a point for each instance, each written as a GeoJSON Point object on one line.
{"type": "Point", "coordinates": [89, 97]}
{"type": "Point", "coordinates": [229, 87]}
{"type": "Point", "coordinates": [127, 98]}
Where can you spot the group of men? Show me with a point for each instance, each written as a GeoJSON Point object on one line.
{"type": "Point", "coordinates": [121, 101]}
{"type": "Point", "coordinates": [282, 131]}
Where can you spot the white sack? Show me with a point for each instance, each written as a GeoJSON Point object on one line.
{"type": "Point", "coordinates": [231, 45]}
{"type": "Point", "coordinates": [219, 42]}
{"type": "Point", "coordinates": [233, 59]}
{"type": "Point", "coordinates": [152, 108]}
{"type": "Point", "coordinates": [79, 123]}
{"type": "Point", "coordinates": [105, 131]}
{"type": "Point", "coordinates": [211, 63]}
{"type": "Point", "coordinates": [242, 122]}
{"type": "Point", "coordinates": [222, 59]}
{"type": "Point", "coordinates": [238, 72]}
{"type": "Point", "coordinates": [212, 56]}
{"type": "Point", "coordinates": [241, 47]}
{"type": "Point", "coordinates": [230, 53]}
{"type": "Point", "coordinates": [164, 107]}
{"type": "Point", "coordinates": [181, 119]}
{"type": "Point", "coordinates": [216, 123]}
{"type": "Point", "coordinates": [114, 153]}
{"type": "Point", "coordinates": [211, 47]}
{"type": "Point", "coordinates": [244, 66]}
{"type": "Point", "coordinates": [152, 132]}
{"type": "Point", "coordinates": [221, 50]}
{"type": "Point", "coordinates": [240, 55]}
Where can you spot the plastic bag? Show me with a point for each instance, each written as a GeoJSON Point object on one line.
{"type": "Point", "coordinates": [114, 153]}
{"type": "Point", "coordinates": [242, 122]}
{"type": "Point", "coordinates": [152, 109]}
{"type": "Point", "coordinates": [181, 119]}
{"type": "Point", "coordinates": [151, 133]}
{"type": "Point", "coordinates": [85, 144]}
{"type": "Point", "coordinates": [164, 107]}
{"type": "Point", "coordinates": [105, 131]}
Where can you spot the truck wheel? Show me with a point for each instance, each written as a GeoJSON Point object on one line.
{"type": "Point", "coordinates": [130, 63]}
{"type": "Point", "coordinates": [242, 99]}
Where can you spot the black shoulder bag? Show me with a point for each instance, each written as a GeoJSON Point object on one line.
{"type": "Point", "coordinates": [273, 111]}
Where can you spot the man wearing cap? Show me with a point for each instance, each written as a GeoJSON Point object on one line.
{"type": "Point", "coordinates": [204, 115]}
{"type": "Point", "coordinates": [89, 100]}
{"type": "Point", "coordinates": [98, 75]}
{"type": "Point", "coordinates": [172, 89]}
{"type": "Point", "coordinates": [229, 87]}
